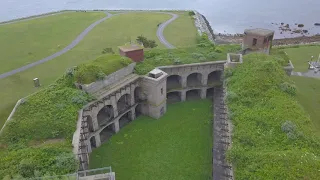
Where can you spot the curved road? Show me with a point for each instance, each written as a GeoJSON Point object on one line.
{"type": "Point", "coordinates": [82, 35]}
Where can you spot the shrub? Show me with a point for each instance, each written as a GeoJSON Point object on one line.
{"type": "Point", "coordinates": [218, 50]}
{"type": "Point", "coordinates": [146, 43]}
{"type": "Point", "coordinates": [288, 88]}
{"type": "Point", "coordinates": [212, 55]}
{"type": "Point", "coordinates": [288, 127]}
{"type": "Point", "coordinates": [197, 55]}
{"type": "Point", "coordinates": [191, 13]}
{"type": "Point", "coordinates": [107, 50]}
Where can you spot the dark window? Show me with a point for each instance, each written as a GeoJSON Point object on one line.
{"type": "Point", "coordinates": [254, 42]}
{"type": "Point", "coordinates": [161, 91]}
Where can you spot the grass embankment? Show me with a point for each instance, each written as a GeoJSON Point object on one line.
{"type": "Point", "coordinates": [273, 137]}
{"type": "Point", "coordinates": [46, 121]}
{"type": "Point", "coordinates": [300, 55]}
{"type": "Point", "coordinates": [308, 95]}
{"type": "Point", "coordinates": [113, 32]}
{"type": "Point", "coordinates": [182, 31]}
{"type": "Point", "coordinates": [29, 41]}
{"type": "Point", "coordinates": [176, 146]}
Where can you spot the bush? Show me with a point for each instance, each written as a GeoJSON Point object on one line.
{"type": "Point", "coordinates": [212, 55]}
{"type": "Point", "coordinates": [147, 43]}
{"type": "Point", "coordinates": [191, 13]}
{"type": "Point", "coordinates": [288, 88]}
{"type": "Point", "coordinates": [218, 50]}
{"type": "Point", "coordinates": [107, 50]}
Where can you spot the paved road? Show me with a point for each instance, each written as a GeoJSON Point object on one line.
{"type": "Point", "coordinates": [83, 34]}
{"type": "Point", "coordinates": [64, 50]}
{"type": "Point", "coordinates": [161, 28]}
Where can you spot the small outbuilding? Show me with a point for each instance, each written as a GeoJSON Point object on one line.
{"type": "Point", "coordinates": [132, 51]}
{"type": "Point", "coordinates": [257, 40]}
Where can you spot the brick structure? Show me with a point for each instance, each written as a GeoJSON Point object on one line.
{"type": "Point", "coordinates": [132, 51]}
{"type": "Point", "coordinates": [257, 40]}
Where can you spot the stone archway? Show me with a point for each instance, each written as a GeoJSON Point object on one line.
{"type": "Point", "coordinates": [210, 92]}
{"type": "Point", "coordinates": [193, 94]}
{"type": "Point", "coordinates": [138, 110]}
{"type": "Point", "coordinates": [174, 82]}
{"type": "Point", "coordinates": [105, 115]}
{"type": "Point", "coordinates": [106, 133]}
{"type": "Point", "coordinates": [194, 80]}
{"type": "Point", "coordinates": [93, 142]}
{"type": "Point", "coordinates": [173, 97]}
{"type": "Point", "coordinates": [125, 119]}
{"type": "Point", "coordinates": [138, 95]}
{"type": "Point", "coordinates": [214, 77]}
{"type": "Point", "coordinates": [124, 103]}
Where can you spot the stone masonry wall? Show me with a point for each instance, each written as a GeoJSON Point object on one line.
{"type": "Point", "coordinates": [110, 79]}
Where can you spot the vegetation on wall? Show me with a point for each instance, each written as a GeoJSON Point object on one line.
{"type": "Point", "coordinates": [204, 51]}
{"type": "Point", "coordinates": [99, 68]}
{"type": "Point", "coordinates": [272, 135]}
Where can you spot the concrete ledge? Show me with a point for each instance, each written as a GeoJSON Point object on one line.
{"type": "Point", "coordinates": [12, 113]}
{"type": "Point", "coordinates": [193, 64]}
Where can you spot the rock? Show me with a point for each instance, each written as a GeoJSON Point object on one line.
{"type": "Point", "coordinates": [282, 23]}
{"type": "Point", "coordinates": [300, 25]}
{"type": "Point", "coordinates": [287, 26]}
{"type": "Point", "coordinates": [317, 24]}
{"type": "Point", "coordinates": [305, 31]}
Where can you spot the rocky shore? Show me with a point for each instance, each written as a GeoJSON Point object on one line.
{"type": "Point", "coordinates": [203, 25]}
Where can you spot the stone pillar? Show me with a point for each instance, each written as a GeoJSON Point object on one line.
{"type": "Point", "coordinates": [114, 105]}
{"type": "Point", "coordinates": [95, 123]}
{"type": "Point", "coordinates": [203, 93]}
{"type": "Point", "coordinates": [98, 140]}
{"type": "Point", "coordinates": [132, 88]}
{"type": "Point", "coordinates": [89, 146]}
{"type": "Point", "coordinates": [133, 114]}
{"type": "Point", "coordinates": [184, 81]}
{"type": "Point", "coordinates": [116, 126]}
{"type": "Point", "coordinates": [183, 95]}
{"type": "Point", "coordinates": [204, 80]}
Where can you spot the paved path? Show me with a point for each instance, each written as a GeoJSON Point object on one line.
{"type": "Point", "coordinates": [161, 28]}
{"type": "Point", "coordinates": [309, 73]}
{"type": "Point", "coordinates": [83, 34]}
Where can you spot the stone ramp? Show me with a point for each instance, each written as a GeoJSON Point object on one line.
{"type": "Point", "coordinates": [116, 86]}
{"type": "Point", "coordinates": [221, 137]}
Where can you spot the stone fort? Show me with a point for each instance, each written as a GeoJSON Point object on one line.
{"type": "Point", "coordinates": [123, 95]}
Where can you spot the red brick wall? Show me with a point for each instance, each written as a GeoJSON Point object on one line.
{"type": "Point", "coordinates": [136, 55]}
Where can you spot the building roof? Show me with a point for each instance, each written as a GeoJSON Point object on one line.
{"type": "Point", "coordinates": [259, 32]}
{"type": "Point", "coordinates": [130, 47]}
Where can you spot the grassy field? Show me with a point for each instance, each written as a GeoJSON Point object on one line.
{"type": "Point", "coordinates": [177, 146]}
{"type": "Point", "coordinates": [182, 32]}
{"type": "Point", "coordinates": [28, 41]}
{"type": "Point", "coordinates": [111, 33]}
{"type": "Point", "coordinates": [301, 55]}
{"type": "Point", "coordinates": [309, 97]}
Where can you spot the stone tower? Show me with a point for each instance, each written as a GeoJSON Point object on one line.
{"type": "Point", "coordinates": [155, 87]}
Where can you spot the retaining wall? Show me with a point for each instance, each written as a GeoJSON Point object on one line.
{"type": "Point", "coordinates": [110, 79]}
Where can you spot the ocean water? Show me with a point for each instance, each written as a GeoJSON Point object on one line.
{"type": "Point", "coordinates": [225, 16]}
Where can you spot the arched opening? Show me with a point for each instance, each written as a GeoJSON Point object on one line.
{"type": "Point", "coordinates": [93, 142]}
{"type": "Point", "coordinates": [90, 123]}
{"type": "Point", "coordinates": [174, 82]}
{"type": "Point", "coordinates": [125, 119]}
{"type": "Point", "coordinates": [105, 115]}
{"type": "Point", "coordinates": [193, 94]}
{"type": "Point", "coordinates": [138, 110]}
{"type": "Point", "coordinates": [210, 92]}
{"type": "Point", "coordinates": [106, 133]}
{"type": "Point", "coordinates": [194, 80]}
{"type": "Point", "coordinates": [138, 95]}
{"type": "Point", "coordinates": [173, 97]}
{"type": "Point", "coordinates": [123, 103]}
{"type": "Point", "coordinates": [214, 77]}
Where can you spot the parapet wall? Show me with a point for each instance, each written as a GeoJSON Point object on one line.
{"type": "Point", "coordinates": [110, 79]}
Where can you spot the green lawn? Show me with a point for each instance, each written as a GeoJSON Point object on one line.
{"type": "Point", "coordinates": [111, 33]}
{"type": "Point", "coordinates": [182, 32]}
{"type": "Point", "coordinates": [309, 97]}
{"type": "Point", "coordinates": [29, 41]}
{"type": "Point", "coordinates": [301, 55]}
{"type": "Point", "coordinates": [176, 146]}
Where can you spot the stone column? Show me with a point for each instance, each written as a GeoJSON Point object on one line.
{"type": "Point", "coordinates": [116, 126]}
{"type": "Point", "coordinates": [98, 140]}
{"type": "Point", "coordinates": [133, 114]}
{"type": "Point", "coordinates": [183, 95]}
{"type": "Point", "coordinates": [114, 105]}
{"type": "Point", "coordinates": [204, 80]}
{"type": "Point", "coordinates": [89, 145]}
{"type": "Point", "coordinates": [184, 81]}
{"type": "Point", "coordinates": [203, 93]}
{"type": "Point", "coordinates": [95, 122]}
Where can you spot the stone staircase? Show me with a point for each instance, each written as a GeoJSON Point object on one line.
{"type": "Point", "coordinates": [222, 136]}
